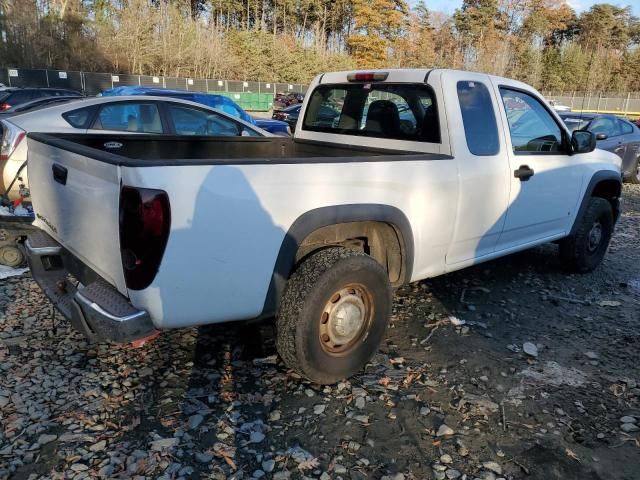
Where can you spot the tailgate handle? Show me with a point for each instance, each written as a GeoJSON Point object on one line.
{"type": "Point", "coordinates": [59, 173]}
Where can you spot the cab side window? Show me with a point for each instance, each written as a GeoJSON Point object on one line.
{"type": "Point", "coordinates": [532, 128]}
{"type": "Point", "coordinates": [479, 118]}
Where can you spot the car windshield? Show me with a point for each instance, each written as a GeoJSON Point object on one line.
{"type": "Point", "coordinates": [576, 123]}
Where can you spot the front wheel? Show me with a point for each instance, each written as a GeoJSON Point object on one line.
{"type": "Point", "coordinates": [584, 251]}
{"type": "Point", "coordinates": [333, 314]}
{"type": "Point", "coordinates": [635, 173]}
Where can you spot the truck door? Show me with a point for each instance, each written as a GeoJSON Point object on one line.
{"type": "Point", "coordinates": [545, 180]}
{"type": "Point", "coordinates": [483, 170]}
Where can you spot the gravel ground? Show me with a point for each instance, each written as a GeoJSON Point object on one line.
{"type": "Point", "coordinates": [510, 369]}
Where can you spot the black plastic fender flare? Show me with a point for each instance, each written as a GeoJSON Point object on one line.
{"type": "Point", "coordinates": [599, 176]}
{"type": "Point", "coordinates": [317, 218]}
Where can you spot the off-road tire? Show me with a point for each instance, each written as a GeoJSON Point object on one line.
{"type": "Point", "coordinates": [308, 291]}
{"type": "Point", "coordinates": [576, 253]}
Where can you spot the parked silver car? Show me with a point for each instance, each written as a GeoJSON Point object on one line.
{"type": "Point", "coordinates": [614, 134]}
{"type": "Point", "coordinates": [104, 115]}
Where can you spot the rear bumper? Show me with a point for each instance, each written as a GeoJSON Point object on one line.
{"type": "Point", "coordinates": [96, 309]}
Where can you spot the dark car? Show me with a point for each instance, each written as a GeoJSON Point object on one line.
{"type": "Point", "coordinates": [326, 116]}
{"type": "Point", "coordinates": [12, 97]}
{"type": "Point", "coordinates": [220, 102]}
{"type": "Point", "coordinates": [284, 100]}
{"type": "Point", "coordinates": [614, 134]}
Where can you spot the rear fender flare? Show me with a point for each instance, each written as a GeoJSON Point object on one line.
{"type": "Point", "coordinates": [312, 220]}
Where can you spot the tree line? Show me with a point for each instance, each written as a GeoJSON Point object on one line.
{"type": "Point", "coordinates": [542, 42]}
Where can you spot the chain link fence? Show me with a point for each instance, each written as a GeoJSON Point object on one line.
{"type": "Point", "coordinates": [90, 83]}
{"type": "Point", "coordinates": [627, 104]}
{"type": "Point", "coordinates": [93, 83]}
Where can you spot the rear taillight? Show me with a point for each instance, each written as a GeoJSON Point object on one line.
{"type": "Point", "coordinates": [367, 76]}
{"type": "Point", "coordinates": [11, 138]}
{"type": "Point", "coordinates": [145, 221]}
{"type": "Point", "coordinates": [4, 106]}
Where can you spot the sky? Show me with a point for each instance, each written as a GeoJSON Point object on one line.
{"type": "Point", "coordinates": [448, 6]}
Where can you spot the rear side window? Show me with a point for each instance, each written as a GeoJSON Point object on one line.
{"type": "Point", "coordinates": [479, 119]}
{"type": "Point", "coordinates": [129, 117]}
{"type": "Point", "coordinates": [79, 118]}
{"type": "Point", "coordinates": [191, 121]}
{"type": "Point", "coordinates": [626, 127]}
{"type": "Point", "coordinates": [384, 110]}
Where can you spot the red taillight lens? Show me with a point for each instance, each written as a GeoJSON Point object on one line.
{"type": "Point", "coordinates": [145, 221]}
{"type": "Point", "coordinates": [11, 138]}
{"type": "Point", "coordinates": [4, 106]}
{"type": "Point", "coordinates": [367, 76]}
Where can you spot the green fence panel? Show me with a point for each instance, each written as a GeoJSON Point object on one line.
{"type": "Point", "coordinates": [257, 102]}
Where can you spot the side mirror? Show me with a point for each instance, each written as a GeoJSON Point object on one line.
{"type": "Point", "coordinates": [602, 136]}
{"type": "Point", "coordinates": [583, 141]}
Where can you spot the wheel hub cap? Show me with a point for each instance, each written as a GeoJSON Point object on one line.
{"type": "Point", "coordinates": [10, 256]}
{"type": "Point", "coordinates": [595, 236]}
{"type": "Point", "coordinates": [344, 320]}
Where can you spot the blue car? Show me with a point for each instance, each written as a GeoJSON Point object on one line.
{"type": "Point", "coordinates": [219, 102]}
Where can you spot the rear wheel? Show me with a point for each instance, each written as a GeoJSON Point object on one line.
{"type": "Point", "coordinates": [333, 314]}
{"type": "Point", "coordinates": [585, 250]}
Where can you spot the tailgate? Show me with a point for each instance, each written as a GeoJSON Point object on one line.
{"type": "Point", "coordinates": [76, 198]}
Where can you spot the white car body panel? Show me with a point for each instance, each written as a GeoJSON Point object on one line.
{"type": "Point", "coordinates": [229, 221]}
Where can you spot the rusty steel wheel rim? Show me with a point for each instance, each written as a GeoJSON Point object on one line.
{"type": "Point", "coordinates": [345, 319]}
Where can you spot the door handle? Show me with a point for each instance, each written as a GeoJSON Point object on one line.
{"type": "Point", "coordinates": [59, 173]}
{"type": "Point", "coordinates": [524, 173]}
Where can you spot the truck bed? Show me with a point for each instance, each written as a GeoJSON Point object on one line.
{"type": "Point", "coordinates": [172, 150]}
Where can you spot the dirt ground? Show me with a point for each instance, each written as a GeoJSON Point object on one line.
{"type": "Point", "coordinates": [511, 369]}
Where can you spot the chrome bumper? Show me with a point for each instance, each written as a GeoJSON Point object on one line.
{"type": "Point", "coordinates": [96, 309]}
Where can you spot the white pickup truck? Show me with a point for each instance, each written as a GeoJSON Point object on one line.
{"type": "Point", "coordinates": [392, 177]}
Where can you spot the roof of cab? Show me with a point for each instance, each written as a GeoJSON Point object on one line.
{"type": "Point", "coordinates": [415, 75]}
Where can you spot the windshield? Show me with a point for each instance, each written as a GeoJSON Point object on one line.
{"type": "Point", "coordinates": [386, 110]}
{"type": "Point", "coordinates": [576, 123]}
